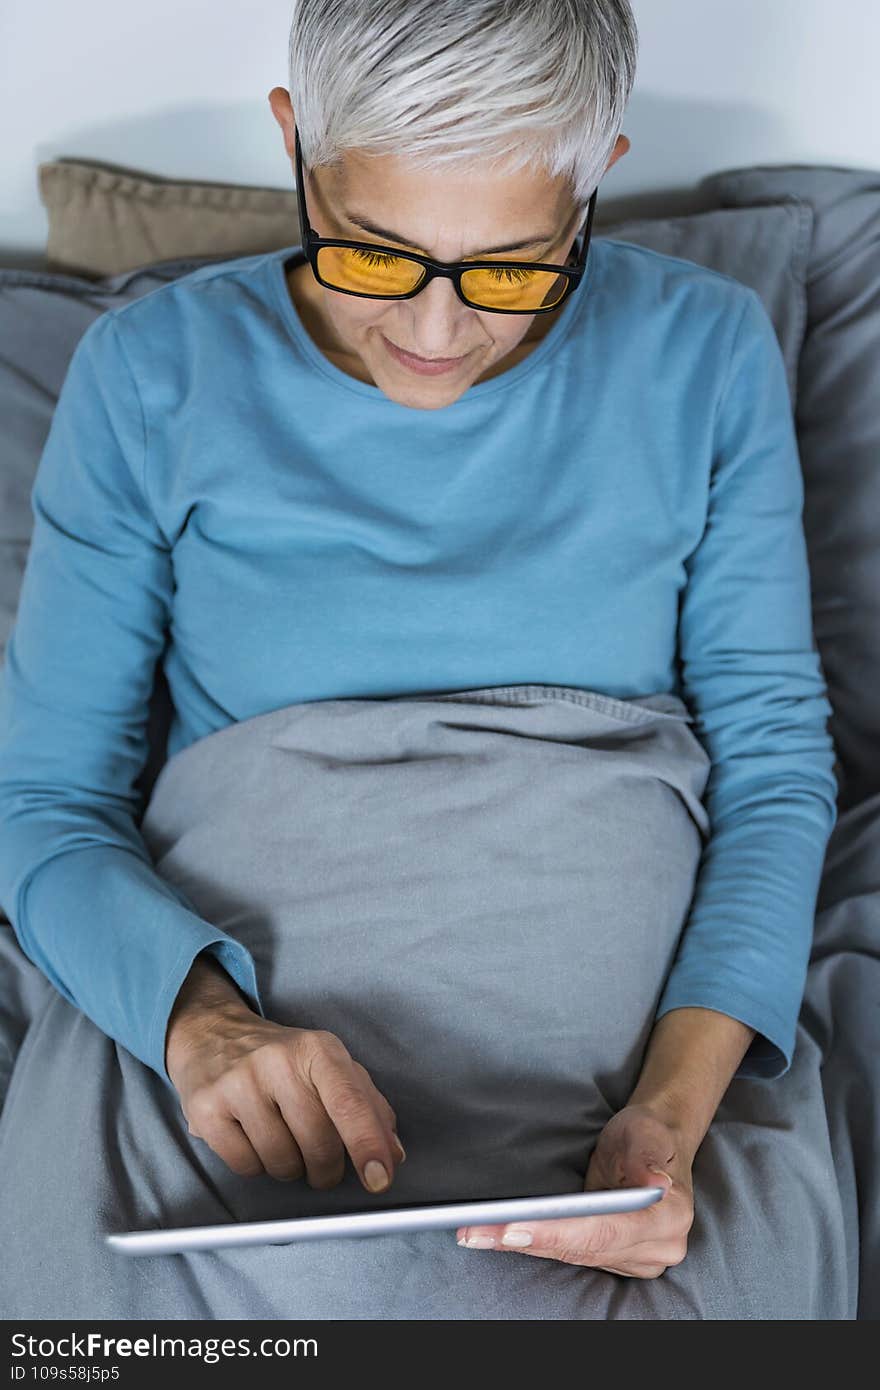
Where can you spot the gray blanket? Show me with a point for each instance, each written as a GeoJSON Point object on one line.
{"type": "Point", "coordinates": [481, 893]}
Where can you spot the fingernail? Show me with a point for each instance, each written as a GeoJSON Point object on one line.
{"type": "Point", "coordinates": [480, 1242]}
{"type": "Point", "coordinates": [515, 1236]}
{"type": "Point", "coordinates": [399, 1147]}
{"type": "Point", "coordinates": [376, 1176]}
{"type": "Point", "coordinates": [662, 1173]}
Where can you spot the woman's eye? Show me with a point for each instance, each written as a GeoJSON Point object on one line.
{"type": "Point", "coordinates": [375, 257]}
{"type": "Point", "coordinates": [505, 274]}
{"type": "Point", "coordinates": [512, 273]}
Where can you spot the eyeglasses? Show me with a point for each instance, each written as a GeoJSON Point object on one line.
{"type": "Point", "coordinates": [371, 271]}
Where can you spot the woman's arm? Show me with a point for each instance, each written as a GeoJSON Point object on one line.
{"type": "Point", "coordinates": [76, 879]}
{"type": "Point", "coordinates": [751, 674]}
{"type": "Point", "coordinates": [691, 1058]}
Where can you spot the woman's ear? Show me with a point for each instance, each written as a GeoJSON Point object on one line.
{"type": "Point", "coordinates": [279, 100]}
{"type": "Point", "coordinates": [619, 151]}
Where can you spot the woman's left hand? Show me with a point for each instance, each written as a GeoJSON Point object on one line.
{"type": "Point", "coordinates": [635, 1149]}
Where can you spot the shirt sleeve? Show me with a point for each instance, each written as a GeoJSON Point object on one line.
{"type": "Point", "coordinates": [751, 675]}
{"type": "Point", "coordinates": [76, 878]}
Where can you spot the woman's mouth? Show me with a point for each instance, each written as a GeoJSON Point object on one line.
{"type": "Point", "coordinates": [422, 365]}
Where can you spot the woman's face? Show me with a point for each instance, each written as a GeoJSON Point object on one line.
{"type": "Point", "coordinates": [450, 217]}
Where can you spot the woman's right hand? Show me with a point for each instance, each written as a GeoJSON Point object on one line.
{"type": "Point", "coordinates": [270, 1098]}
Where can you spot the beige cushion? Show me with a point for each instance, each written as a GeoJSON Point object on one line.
{"type": "Point", "coordinates": [104, 219]}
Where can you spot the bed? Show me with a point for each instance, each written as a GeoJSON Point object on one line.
{"type": "Point", "coordinates": [807, 239]}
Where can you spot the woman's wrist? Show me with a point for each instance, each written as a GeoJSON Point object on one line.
{"type": "Point", "coordinates": [206, 989]}
{"type": "Point", "coordinates": [691, 1058]}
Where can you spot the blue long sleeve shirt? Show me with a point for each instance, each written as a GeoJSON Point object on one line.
{"type": "Point", "coordinates": [620, 511]}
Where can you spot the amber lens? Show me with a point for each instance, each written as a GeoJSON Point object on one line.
{"type": "Point", "coordinates": [509, 287]}
{"type": "Point", "coordinates": [367, 272]}
{"type": "Point", "coordinates": [501, 287]}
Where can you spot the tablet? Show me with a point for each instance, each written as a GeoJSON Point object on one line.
{"type": "Point", "coordinates": [439, 1215]}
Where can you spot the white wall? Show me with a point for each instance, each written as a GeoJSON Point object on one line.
{"type": "Point", "coordinates": [179, 88]}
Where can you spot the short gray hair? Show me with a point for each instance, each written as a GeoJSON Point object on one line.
{"type": "Point", "coordinates": [464, 81]}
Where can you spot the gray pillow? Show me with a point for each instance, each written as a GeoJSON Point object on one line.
{"type": "Point", "coordinates": [765, 248]}
{"type": "Point", "coordinates": [43, 315]}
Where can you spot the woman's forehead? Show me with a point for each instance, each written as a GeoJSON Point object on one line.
{"type": "Point", "coordinates": [392, 198]}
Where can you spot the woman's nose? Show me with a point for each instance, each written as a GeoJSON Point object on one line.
{"type": "Point", "coordinates": [439, 319]}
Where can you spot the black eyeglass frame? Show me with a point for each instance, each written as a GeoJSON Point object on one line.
{"type": "Point", "coordinates": [450, 270]}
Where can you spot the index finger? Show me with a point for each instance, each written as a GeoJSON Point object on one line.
{"type": "Point", "coordinates": [361, 1128]}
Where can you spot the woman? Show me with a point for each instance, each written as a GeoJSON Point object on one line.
{"type": "Point", "coordinates": [509, 489]}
